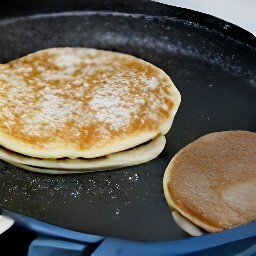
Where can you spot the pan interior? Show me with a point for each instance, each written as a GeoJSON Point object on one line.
{"type": "Point", "coordinates": [217, 80]}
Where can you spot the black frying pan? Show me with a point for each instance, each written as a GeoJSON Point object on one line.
{"type": "Point", "coordinates": [212, 63]}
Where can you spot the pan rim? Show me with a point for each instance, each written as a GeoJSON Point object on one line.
{"type": "Point", "coordinates": [193, 19]}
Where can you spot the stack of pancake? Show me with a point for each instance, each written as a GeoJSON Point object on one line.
{"type": "Point", "coordinates": [210, 185]}
{"type": "Point", "coordinates": [77, 109]}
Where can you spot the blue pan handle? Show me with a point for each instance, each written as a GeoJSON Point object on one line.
{"type": "Point", "coordinates": [230, 242]}
{"type": "Point", "coordinates": [233, 241]}
{"type": "Point", "coordinates": [240, 241]}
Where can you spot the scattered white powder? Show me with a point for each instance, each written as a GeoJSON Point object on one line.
{"type": "Point", "coordinates": [67, 59]}
{"type": "Point", "coordinates": [112, 110]}
{"type": "Point", "coordinates": [165, 106]}
{"type": "Point", "coordinates": [152, 83]}
{"type": "Point", "coordinates": [237, 195]}
{"type": "Point", "coordinates": [134, 177]}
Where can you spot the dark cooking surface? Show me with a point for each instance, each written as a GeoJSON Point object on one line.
{"type": "Point", "coordinates": [215, 74]}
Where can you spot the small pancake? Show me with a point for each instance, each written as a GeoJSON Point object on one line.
{"type": "Point", "coordinates": [80, 102]}
{"type": "Point", "coordinates": [212, 181]}
{"type": "Point", "coordinates": [138, 155]}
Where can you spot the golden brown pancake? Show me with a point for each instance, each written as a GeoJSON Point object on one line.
{"type": "Point", "coordinates": [82, 103]}
{"type": "Point", "coordinates": [212, 181]}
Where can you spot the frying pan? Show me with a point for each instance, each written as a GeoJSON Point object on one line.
{"type": "Point", "coordinates": [212, 63]}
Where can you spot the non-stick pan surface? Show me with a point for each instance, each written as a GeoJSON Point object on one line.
{"type": "Point", "coordinates": [212, 63]}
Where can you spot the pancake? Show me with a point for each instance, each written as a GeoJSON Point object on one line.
{"type": "Point", "coordinates": [211, 182]}
{"type": "Point", "coordinates": [138, 155]}
{"type": "Point", "coordinates": [82, 103]}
